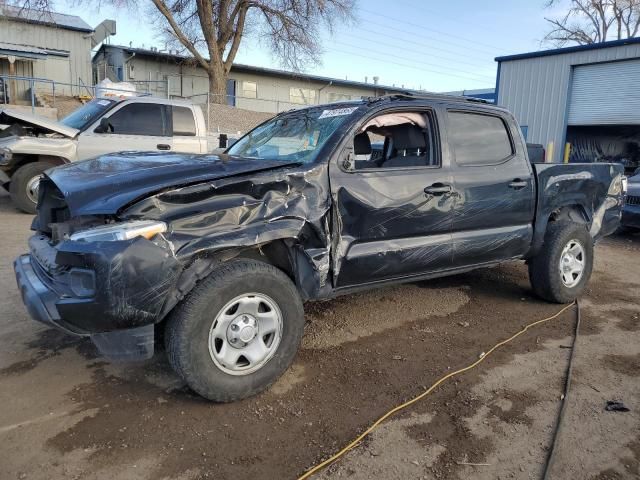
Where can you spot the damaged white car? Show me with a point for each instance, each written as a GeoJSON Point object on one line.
{"type": "Point", "coordinates": [30, 144]}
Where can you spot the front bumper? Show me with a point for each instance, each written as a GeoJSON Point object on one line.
{"type": "Point", "coordinates": [112, 292]}
{"type": "Point", "coordinates": [37, 297]}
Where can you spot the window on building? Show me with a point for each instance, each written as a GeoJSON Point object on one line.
{"type": "Point", "coordinates": [302, 96]}
{"type": "Point", "coordinates": [338, 97]}
{"type": "Point", "coordinates": [139, 119]}
{"type": "Point", "coordinates": [183, 122]}
{"type": "Point", "coordinates": [478, 139]}
{"type": "Point", "coordinates": [249, 89]}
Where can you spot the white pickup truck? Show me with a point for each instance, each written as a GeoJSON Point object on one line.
{"type": "Point", "coordinates": [29, 145]}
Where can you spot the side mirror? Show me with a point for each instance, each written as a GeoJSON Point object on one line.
{"type": "Point", "coordinates": [104, 127]}
{"type": "Point", "coordinates": [347, 161]}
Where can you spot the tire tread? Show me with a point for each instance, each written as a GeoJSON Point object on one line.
{"type": "Point", "coordinates": [181, 320]}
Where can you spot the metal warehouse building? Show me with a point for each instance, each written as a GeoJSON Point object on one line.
{"type": "Point", "coordinates": [582, 103]}
{"type": "Point", "coordinates": [47, 45]}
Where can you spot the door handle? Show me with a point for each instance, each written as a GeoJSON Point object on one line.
{"type": "Point", "coordinates": [518, 184]}
{"type": "Point", "coordinates": [163, 146]}
{"type": "Point", "coordinates": [438, 189]}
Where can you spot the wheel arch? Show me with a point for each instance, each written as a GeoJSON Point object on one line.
{"type": "Point", "coordinates": [286, 254]}
{"type": "Point", "coordinates": [575, 212]}
{"type": "Point", "coordinates": [22, 159]}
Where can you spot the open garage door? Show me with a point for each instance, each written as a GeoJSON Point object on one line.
{"type": "Point", "coordinates": [605, 94]}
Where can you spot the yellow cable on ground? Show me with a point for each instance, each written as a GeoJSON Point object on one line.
{"type": "Point", "coordinates": [394, 410]}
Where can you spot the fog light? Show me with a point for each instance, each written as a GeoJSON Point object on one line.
{"type": "Point", "coordinates": [82, 282]}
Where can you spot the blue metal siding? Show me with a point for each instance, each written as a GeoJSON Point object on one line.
{"type": "Point", "coordinates": [536, 89]}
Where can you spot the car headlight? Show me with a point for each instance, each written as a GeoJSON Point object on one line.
{"type": "Point", "coordinates": [5, 155]}
{"type": "Point", "coordinates": [121, 231]}
{"type": "Point", "coordinates": [625, 185]}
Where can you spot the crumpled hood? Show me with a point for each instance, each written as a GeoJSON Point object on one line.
{"type": "Point", "coordinates": [8, 116]}
{"type": "Point", "coordinates": [105, 184]}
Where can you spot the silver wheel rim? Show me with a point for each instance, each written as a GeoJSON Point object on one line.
{"type": "Point", "coordinates": [572, 262]}
{"type": "Point", "coordinates": [32, 188]}
{"type": "Point", "coordinates": [245, 334]}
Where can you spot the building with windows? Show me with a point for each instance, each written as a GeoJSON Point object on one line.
{"type": "Point", "coordinates": [46, 45]}
{"type": "Point", "coordinates": [252, 88]}
{"type": "Point", "coordinates": [582, 102]}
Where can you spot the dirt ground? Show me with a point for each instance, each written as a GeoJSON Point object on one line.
{"type": "Point", "coordinates": [65, 413]}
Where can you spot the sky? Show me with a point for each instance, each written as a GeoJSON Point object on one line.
{"type": "Point", "coordinates": [429, 45]}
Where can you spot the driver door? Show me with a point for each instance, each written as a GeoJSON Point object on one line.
{"type": "Point", "coordinates": [134, 127]}
{"type": "Point", "coordinates": [393, 202]}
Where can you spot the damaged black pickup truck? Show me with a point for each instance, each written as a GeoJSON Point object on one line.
{"type": "Point", "coordinates": [219, 252]}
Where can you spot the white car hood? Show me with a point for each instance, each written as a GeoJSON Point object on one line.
{"type": "Point", "coordinates": [42, 122]}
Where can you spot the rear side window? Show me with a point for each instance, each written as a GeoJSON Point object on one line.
{"type": "Point", "coordinates": [478, 139]}
{"type": "Point", "coordinates": [139, 119]}
{"type": "Point", "coordinates": [183, 122]}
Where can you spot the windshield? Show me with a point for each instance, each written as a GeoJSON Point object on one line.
{"type": "Point", "coordinates": [297, 136]}
{"type": "Point", "coordinates": [87, 114]}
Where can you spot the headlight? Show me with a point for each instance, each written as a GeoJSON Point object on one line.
{"type": "Point", "coordinates": [121, 231]}
{"type": "Point", "coordinates": [625, 185]}
{"type": "Point", "coordinates": [5, 155]}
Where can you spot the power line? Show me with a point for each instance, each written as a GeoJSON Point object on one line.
{"type": "Point", "coordinates": [425, 52]}
{"type": "Point", "coordinates": [421, 35]}
{"type": "Point", "coordinates": [478, 76]}
{"type": "Point", "coordinates": [413, 41]}
{"type": "Point", "coordinates": [423, 27]}
{"type": "Point", "coordinates": [439, 14]}
{"type": "Point", "coordinates": [424, 70]}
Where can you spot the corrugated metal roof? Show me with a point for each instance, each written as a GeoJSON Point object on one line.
{"type": "Point", "coordinates": [60, 20]}
{"type": "Point", "coordinates": [575, 48]}
{"type": "Point", "coordinates": [237, 67]}
{"type": "Point", "coordinates": [14, 47]}
{"type": "Point", "coordinates": [29, 51]}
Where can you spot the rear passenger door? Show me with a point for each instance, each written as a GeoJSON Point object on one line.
{"type": "Point", "coordinates": [494, 185]}
{"type": "Point", "coordinates": [185, 133]}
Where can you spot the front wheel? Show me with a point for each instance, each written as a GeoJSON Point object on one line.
{"type": "Point", "coordinates": [24, 185]}
{"type": "Point", "coordinates": [237, 331]}
{"type": "Point", "coordinates": [561, 270]}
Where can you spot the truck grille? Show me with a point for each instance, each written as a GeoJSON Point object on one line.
{"type": "Point", "coordinates": [633, 200]}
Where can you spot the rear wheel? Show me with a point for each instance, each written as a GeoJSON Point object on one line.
{"type": "Point", "coordinates": [561, 270]}
{"type": "Point", "coordinates": [24, 185]}
{"type": "Point", "coordinates": [237, 331]}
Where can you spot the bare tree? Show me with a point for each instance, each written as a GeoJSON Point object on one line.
{"type": "Point", "coordinates": [594, 21]}
{"type": "Point", "coordinates": [213, 30]}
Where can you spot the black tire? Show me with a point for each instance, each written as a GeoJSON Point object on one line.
{"type": "Point", "coordinates": [19, 182]}
{"type": "Point", "coordinates": [544, 268]}
{"type": "Point", "coordinates": [188, 327]}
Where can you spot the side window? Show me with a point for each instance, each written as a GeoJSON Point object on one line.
{"type": "Point", "coordinates": [183, 122]}
{"type": "Point", "coordinates": [139, 119]}
{"type": "Point", "coordinates": [478, 139]}
{"type": "Point", "coordinates": [396, 140]}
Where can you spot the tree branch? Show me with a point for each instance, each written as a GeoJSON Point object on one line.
{"type": "Point", "coordinates": [177, 31]}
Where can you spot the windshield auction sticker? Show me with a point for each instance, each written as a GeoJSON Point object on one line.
{"type": "Point", "coordinates": [337, 112]}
